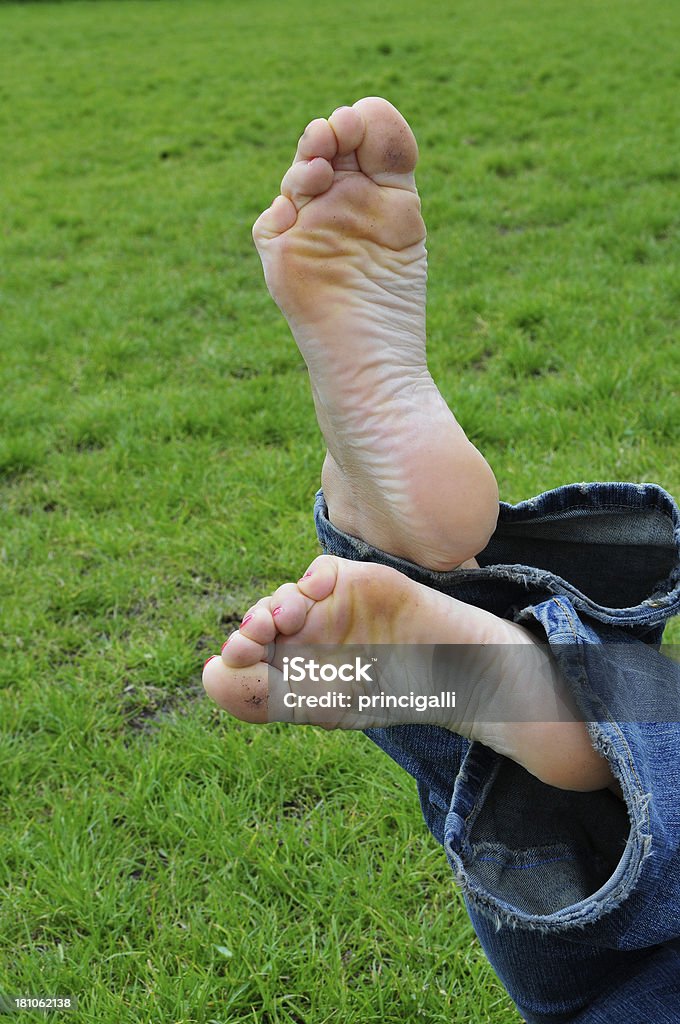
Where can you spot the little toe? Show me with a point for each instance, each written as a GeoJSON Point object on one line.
{"type": "Point", "coordinates": [307, 179]}
{"type": "Point", "coordinates": [280, 217]}
{"type": "Point", "coordinates": [318, 139]}
{"type": "Point", "coordinates": [318, 582]}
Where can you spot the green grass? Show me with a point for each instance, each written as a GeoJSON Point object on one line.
{"type": "Point", "coordinates": [159, 456]}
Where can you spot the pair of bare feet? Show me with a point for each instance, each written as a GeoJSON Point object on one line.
{"type": "Point", "coordinates": [343, 252]}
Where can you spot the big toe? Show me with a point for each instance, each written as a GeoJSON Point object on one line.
{"type": "Point", "coordinates": [242, 692]}
{"type": "Point", "coordinates": [388, 152]}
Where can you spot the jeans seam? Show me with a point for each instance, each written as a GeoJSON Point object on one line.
{"type": "Point", "coordinates": [614, 725]}
{"type": "Point", "coordinates": [610, 505]}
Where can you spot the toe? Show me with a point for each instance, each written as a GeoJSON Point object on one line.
{"type": "Point", "coordinates": [388, 152]}
{"type": "Point", "coordinates": [289, 608]}
{"type": "Point", "coordinates": [258, 624]}
{"type": "Point", "coordinates": [348, 128]}
{"type": "Point", "coordinates": [318, 140]}
{"type": "Point", "coordinates": [243, 692]}
{"type": "Point", "coordinates": [319, 580]}
{"type": "Point", "coordinates": [256, 693]}
{"type": "Point", "coordinates": [280, 216]}
{"type": "Point", "coordinates": [238, 651]}
{"type": "Point", "coordinates": [306, 179]}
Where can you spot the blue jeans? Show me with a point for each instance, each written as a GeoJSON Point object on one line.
{"type": "Point", "coordinates": [575, 897]}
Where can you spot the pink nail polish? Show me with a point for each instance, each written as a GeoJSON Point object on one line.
{"type": "Point", "coordinates": [277, 611]}
{"type": "Point", "coordinates": [306, 576]}
{"type": "Point", "coordinates": [246, 619]}
{"type": "Point", "coordinates": [225, 643]}
{"type": "Point", "coordinates": [207, 660]}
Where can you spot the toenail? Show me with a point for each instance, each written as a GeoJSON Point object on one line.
{"type": "Point", "coordinates": [277, 610]}
{"type": "Point", "coordinates": [246, 619]}
{"type": "Point", "coordinates": [207, 660]}
{"type": "Point", "coordinates": [225, 643]}
{"type": "Point", "coordinates": [306, 576]}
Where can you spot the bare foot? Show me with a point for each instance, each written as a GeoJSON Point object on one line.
{"type": "Point", "coordinates": [343, 252]}
{"type": "Point", "coordinates": [510, 681]}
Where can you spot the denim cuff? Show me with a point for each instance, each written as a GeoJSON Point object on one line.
{"type": "Point", "coordinates": [584, 565]}
{"type": "Point", "coordinates": [556, 861]}
{"type": "Point", "coordinates": [612, 548]}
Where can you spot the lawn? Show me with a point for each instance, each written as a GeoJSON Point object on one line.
{"type": "Point", "coordinates": [159, 456]}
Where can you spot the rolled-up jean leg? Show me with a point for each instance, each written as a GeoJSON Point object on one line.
{"type": "Point", "coordinates": [575, 897]}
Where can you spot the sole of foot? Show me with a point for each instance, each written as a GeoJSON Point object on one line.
{"type": "Point", "coordinates": [507, 680]}
{"type": "Point", "coordinates": [344, 257]}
